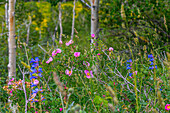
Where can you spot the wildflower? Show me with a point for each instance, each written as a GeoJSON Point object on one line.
{"type": "Point", "coordinates": [60, 109]}
{"type": "Point", "coordinates": [130, 60]}
{"type": "Point", "coordinates": [36, 82]}
{"type": "Point", "coordinates": [53, 53]}
{"type": "Point", "coordinates": [150, 56]}
{"type": "Point", "coordinates": [77, 54]}
{"type": "Point", "coordinates": [49, 60]}
{"type": "Point", "coordinates": [60, 42]}
{"type": "Point", "coordinates": [71, 41]}
{"type": "Point", "coordinates": [68, 72]}
{"type": "Point", "coordinates": [58, 50]}
{"type": "Point", "coordinates": [67, 44]}
{"type": "Point", "coordinates": [128, 68]}
{"type": "Point", "coordinates": [12, 79]}
{"type": "Point", "coordinates": [167, 107]}
{"type": "Point", "coordinates": [104, 96]}
{"type": "Point", "coordinates": [92, 35]}
{"type": "Point", "coordinates": [98, 54]}
{"type": "Point", "coordinates": [130, 74]}
{"type": "Point", "coordinates": [40, 70]}
{"type": "Point", "coordinates": [110, 49]}
{"type": "Point", "coordinates": [88, 75]}
{"type": "Point", "coordinates": [32, 60]}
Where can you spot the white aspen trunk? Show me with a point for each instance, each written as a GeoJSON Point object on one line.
{"type": "Point", "coordinates": [60, 20]}
{"type": "Point", "coordinates": [94, 26]}
{"type": "Point", "coordinates": [12, 48]}
{"type": "Point", "coordinates": [6, 14]}
{"type": "Point", "coordinates": [72, 33]}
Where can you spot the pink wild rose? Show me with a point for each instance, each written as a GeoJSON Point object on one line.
{"type": "Point", "coordinates": [110, 49]}
{"type": "Point", "coordinates": [60, 109]}
{"type": "Point", "coordinates": [88, 75]}
{"type": "Point", "coordinates": [36, 82]}
{"type": "Point", "coordinates": [58, 51]}
{"type": "Point", "coordinates": [77, 54]}
{"type": "Point", "coordinates": [53, 53]}
{"type": "Point", "coordinates": [167, 107]}
{"type": "Point", "coordinates": [92, 35]}
{"type": "Point", "coordinates": [68, 72]}
{"type": "Point", "coordinates": [60, 42]}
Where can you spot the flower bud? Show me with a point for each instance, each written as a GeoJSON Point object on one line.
{"type": "Point", "coordinates": [70, 90]}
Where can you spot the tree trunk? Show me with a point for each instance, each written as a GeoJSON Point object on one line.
{"type": "Point", "coordinates": [6, 14]}
{"type": "Point", "coordinates": [72, 33]}
{"type": "Point", "coordinates": [60, 20]}
{"type": "Point", "coordinates": [94, 26]}
{"type": "Point", "coordinates": [12, 48]}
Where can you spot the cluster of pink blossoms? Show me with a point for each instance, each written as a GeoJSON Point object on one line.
{"type": "Point", "coordinates": [55, 52]}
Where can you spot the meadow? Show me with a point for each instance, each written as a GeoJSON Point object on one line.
{"type": "Point", "coordinates": [125, 70]}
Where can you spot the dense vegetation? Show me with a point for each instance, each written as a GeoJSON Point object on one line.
{"type": "Point", "coordinates": [132, 54]}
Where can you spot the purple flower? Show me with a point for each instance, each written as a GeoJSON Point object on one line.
{"type": "Point", "coordinates": [130, 60]}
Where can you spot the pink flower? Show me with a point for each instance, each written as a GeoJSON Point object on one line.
{"type": "Point", "coordinates": [36, 82]}
{"type": "Point", "coordinates": [71, 41]}
{"type": "Point", "coordinates": [12, 79]}
{"type": "Point", "coordinates": [36, 112]}
{"type": "Point", "coordinates": [92, 35]}
{"type": "Point", "coordinates": [98, 54]}
{"type": "Point", "coordinates": [104, 96]}
{"type": "Point", "coordinates": [110, 49]}
{"type": "Point", "coordinates": [136, 72]}
{"type": "Point", "coordinates": [58, 51]}
{"type": "Point", "coordinates": [9, 83]}
{"type": "Point", "coordinates": [88, 75]}
{"type": "Point", "coordinates": [49, 60]}
{"type": "Point", "coordinates": [53, 53]}
{"type": "Point", "coordinates": [77, 54]}
{"type": "Point", "coordinates": [67, 44]}
{"type": "Point", "coordinates": [60, 42]}
{"type": "Point", "coordinates": [10, 91]}
{"type": "Point", "coordinates": [60, 109]}
{"type": "Point", "coordinates": [167, 107]}
{"type": "Point", "coordinates": [68, 72]}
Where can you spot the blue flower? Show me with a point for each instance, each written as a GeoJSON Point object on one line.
{"type": "Point", "coordinates": [151, 59]}
{"type": "Point", "coordinates": [150, 56]}
{"type": "Point", "coordinates": [151, 63]}
{"type": "Point", "coordinates": [160, 89]}
{"type": "Point", "coordinates": [32, 77]}
{"type": "Point", "coordinates": [33, 85]}
{"type": "Point", "coordinates": [36, 59]}
{"type": "Point", "coordinates": [40, 70]}
{"type": "Point", "coordinates": [32, 60]}
{"type": "Point", "coordinates": [151, 67]}
{"type": "Point", "coordinates": [130, 60]}
{"type": "Point", "coordinates": [151, 89]}
{"type": "Point", "coordinates": [127, 65]}
{"type": "Point", "coordinates": [39, 74]}
{"type": "Point", "coordinates": [128, 68]}
{"type": "Point", "coordinates": [130, 74]}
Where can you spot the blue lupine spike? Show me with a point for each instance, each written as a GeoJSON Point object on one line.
{"type": "Point", "coordinates": [39, 74]}
{"type": "Point", "coordinates": [128, 68]}
{"type": "Point", "coordinates": [150, 56]}
{"type": "Point", "coordinates": [32, 60]}
{"type": "Point", "coordinates": [151, 63]}
{"type": "Point", "coordinates": [36, 59]}
{"type": "Point", "coordinates": [151, 67]}
{"type": "Point", "coordinates": [130, 60]}
{"type": "Point", "coordinates": [40, 70]}
{"type": "Point", "coordinates": [33, 85]}
{"type": "Point", "coordinates": [151, 60]}
{"type": "Point", "coordinates": [130, 74]}
{"type": "Point", "coordinates": [155, 66]}
{"type": "Point", "coordinates": [127, 65]}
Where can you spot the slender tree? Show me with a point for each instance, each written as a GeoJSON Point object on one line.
{"type": "Point", "coordinates": [60, 21]}
{"type": "Point", "coordinates": [12, 47]}
{"type": "Point", "coordinates": [94, 26]}
{"type": "Point", "coordinates": [6, 13]}
{"type": "Point", "coordinates": [72, 33]}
